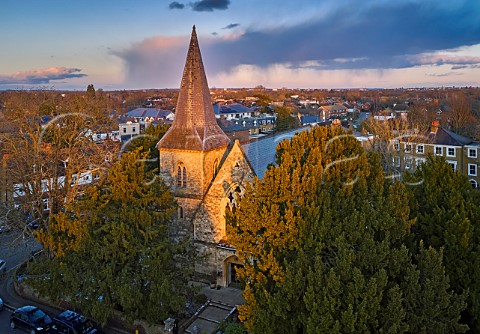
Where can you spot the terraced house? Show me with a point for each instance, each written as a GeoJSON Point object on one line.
{"type": "Point", "coordinates": [462, 153]}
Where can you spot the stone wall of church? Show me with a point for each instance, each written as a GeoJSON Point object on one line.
{"type": "Point", "coordinates": [192, 161]}
{"type": "Point", "coordinates": [209, 223]}
{"type": "Point", "coordinates": [211, 163]}
{"type": "Point", "coordinates": [214, 258]}
{"type": "Point", "coordinates": [182, 224]}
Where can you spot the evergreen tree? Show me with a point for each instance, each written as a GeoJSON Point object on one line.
{"type": "Point", "coordinates": [285, 120]}
{"type": "Point", "coordinates": [323, 240]}
{"type": "Point", "coordinates": [446, 210]}
{"type": "Point", "coordinates": [90, 91]}
{"type": "Point", "coordinates": [111, 249]}
{"type": "Point", "coordinates": [147, 142]}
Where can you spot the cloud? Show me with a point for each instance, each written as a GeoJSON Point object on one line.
{"type": "Point", "coordinates": [448, 74]}
{"type": "Point", "coordinates": [231, 26]}
{"type": "Point", "coordinates": [437, 59]}
{"type": "Point", "coordinates": [383, 35]}
{"type": "Point", "coordinates": [210, 5]}
{"type": "Point", "coordinates": [43, 76]}
{"type": "Point", "coordinates": [154, 62]}
{"type": "Point", "coordinates": [176, 5]}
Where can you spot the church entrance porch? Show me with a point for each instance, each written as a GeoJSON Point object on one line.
{"type": "Point", "coordinates": [230, 267]}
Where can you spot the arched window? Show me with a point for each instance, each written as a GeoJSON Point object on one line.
{"type": "Point", "coordinates": [180, 212]}
{"type": "Point", "coordinates": [232, 196]}
{"type": "Point", "coordinates": [474, 184]}
{"type": "Point", "coordinates": [184, 184]}
{"type": "Point", "coordinates": [181, 176]}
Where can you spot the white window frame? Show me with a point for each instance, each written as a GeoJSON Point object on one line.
{"type": "Point", "coordinates": [448, 153]}
{"type": "Point", "coordinates": [408, 163]}
{"type": "Point", "coordinates": [408, 147]}
{"type": "Point", "coordinates": [419, 161]}
{"type": "Point", "coordinates": [474, 183]}
{"type": "Point", "coordinates": [453, 163]}
{"type": "Point", "coordinates": [475, 169]}
{"type": "Point", "coordinates": [422, 147]}
{"type": "Point", "coordinates": [469, 150]}
{"type": "Point", "coordinates": [396, 146]}
{"type": "Point", "coordinates": [435, 150]}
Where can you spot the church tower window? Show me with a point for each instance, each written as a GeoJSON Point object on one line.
{"type": "Point", "coordinates": [181, 176]}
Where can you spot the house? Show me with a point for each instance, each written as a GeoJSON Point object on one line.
{"type": "Point", "coordinates": [232, 111]}
{"type": "Point", "coordinates": [234, 131]}
{"type": "Point", "coordinates": [130, 129]}
{"type": "Point", "coordinates": [148, 115]}
{"type": "Point", "coordinates": [309, 120]}
{"type": "Point", "coordinates": [462, 153]}
{"type": "Point", "coordinates": [334, 111]}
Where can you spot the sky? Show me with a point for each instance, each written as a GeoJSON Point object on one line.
{"type": "Point", "coordinates": [142, 44]}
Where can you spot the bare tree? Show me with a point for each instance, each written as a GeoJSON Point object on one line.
{"type": "Point", "coordinates": [395, 139]}
{"type": "Point", "coordinates": [461, 115]}
{"type": "Point", "coordinates": [49, 150]}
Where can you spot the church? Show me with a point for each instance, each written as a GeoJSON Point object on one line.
{"type": "Point", "coordinates": [204, 170]}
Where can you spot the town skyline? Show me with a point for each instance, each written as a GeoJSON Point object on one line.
{"type": "Point", "coordinates": [314, 44]}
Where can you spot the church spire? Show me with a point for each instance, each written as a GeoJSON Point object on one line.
{"type": "Point", "coordinates": [194, 127]}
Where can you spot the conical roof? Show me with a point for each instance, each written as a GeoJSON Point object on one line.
{"type": "Point", "coordinates": [194, 126]}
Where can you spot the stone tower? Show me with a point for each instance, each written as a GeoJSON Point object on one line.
{"type": "Point", "coordinates": [203, 169]}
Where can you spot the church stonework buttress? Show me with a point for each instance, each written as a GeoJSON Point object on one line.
{"type": "Point", "coordinates": [203, 169]}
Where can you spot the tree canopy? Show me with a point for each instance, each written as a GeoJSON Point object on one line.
{"type": "Point", "coordinates": [111, 249]}
{"type": "Point", "coordinates": [447, 217]}
{"type": "Point", "coordinates": [324, 240]}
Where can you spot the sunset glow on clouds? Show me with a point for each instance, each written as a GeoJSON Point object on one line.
{"type": "Point", "coordinates": [332, 44]}
{"type": "Point", "coordinates": [42, 76]}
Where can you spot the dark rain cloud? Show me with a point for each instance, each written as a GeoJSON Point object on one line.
{"type": "Point", "coordinates": [210, 5]}
{"type": "Point", "coordinates": [384, 36]}
{"type": "Point", "coordinates": [231, 26]}
{"type": "Point", "coordinates": [43, 76]}
{"type": "Point", "coordinates": [176, 5]}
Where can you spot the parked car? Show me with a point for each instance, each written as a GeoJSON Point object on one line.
{"type": "Point", "coordinates": [70, 322]}
{"type": "Point", "coordinates": [32, 319]}
{"type": "Point", "coordinates": [3, 266]}
{"type": "Point", "coordinates": [1, 304]}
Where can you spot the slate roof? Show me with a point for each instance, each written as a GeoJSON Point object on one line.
{"type": "Point", "coordinates": [230, 126]}
{"type": "Point", "coordinates": [195, 126]}
{"type": "Point", "coordinates": [308, 119]}
{"type": "Point", "coordinates": [148, 112]}
{"type": "Point", "coordinates": [446, 137]}
{"type": "Point", "coordinates": [235, 108]}
{"type": "Point", "coordinates": [262, 152]}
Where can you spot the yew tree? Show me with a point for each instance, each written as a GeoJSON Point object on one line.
{"type": "Point", "coordinates": [110, 249]}
{"type": "Point", "coordinates": [447, 213]}
{"type": "Point", "coordinates": [323, 238]}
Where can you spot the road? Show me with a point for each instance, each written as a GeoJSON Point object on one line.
{"type": "Point", "coordinates": [5, 321]}
{"type": "Point", "coordinates": [16, 247]}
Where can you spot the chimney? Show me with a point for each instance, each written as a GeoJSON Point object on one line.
{"type": "Point", "coordinates": [434, 127]}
